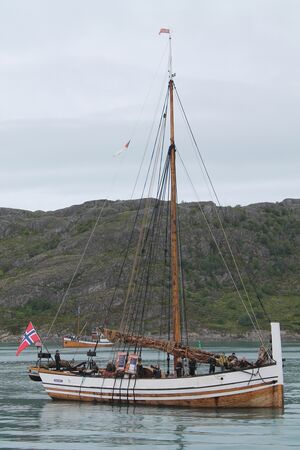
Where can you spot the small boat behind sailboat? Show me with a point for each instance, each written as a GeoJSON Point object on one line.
{"type": "Point", "coordinates": [71, 341]}
{"type": "Point", "coordinates": [79, 341]}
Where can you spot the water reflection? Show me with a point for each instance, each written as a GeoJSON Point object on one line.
{"type": "Point", "coordinates": [124, 426]}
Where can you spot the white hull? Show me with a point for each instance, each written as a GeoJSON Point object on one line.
{"type": "Point", "coordinates": [257, 387]}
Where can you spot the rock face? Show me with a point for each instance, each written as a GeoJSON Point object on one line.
{"type": "Point", "coordinates": [40, 251]}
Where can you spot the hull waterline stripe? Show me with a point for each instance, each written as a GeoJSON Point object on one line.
{"type": "Point", "coordinates": [116, 396]}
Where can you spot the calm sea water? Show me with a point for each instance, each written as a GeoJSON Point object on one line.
{"type": "Point", "coordinates": [29, 419]}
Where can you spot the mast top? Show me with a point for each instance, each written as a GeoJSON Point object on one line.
{"type": "Point", "coordinates": [170, 69]}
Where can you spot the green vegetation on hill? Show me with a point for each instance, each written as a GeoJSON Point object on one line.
{"type": "Point", "coordinates": [39, 252]}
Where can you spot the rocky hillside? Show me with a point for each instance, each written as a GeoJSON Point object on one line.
{"type": "Point", "coordinates": [39, 252]}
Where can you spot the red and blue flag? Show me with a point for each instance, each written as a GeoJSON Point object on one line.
{"type": "Point", "coordinates": [29, 337]}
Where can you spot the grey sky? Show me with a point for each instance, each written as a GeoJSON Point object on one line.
{"type": "Point", "coordinates": [79, 78]}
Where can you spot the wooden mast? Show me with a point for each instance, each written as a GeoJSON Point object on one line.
{"type": "Point", "coordinates": [174, 240]}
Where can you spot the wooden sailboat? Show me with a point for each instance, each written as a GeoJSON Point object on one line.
{"type": "Point", "coordinates": [72, 341]}
{"type": "Point", "coordinates": [79, 341]}
{"type": "Point", "coordinates": [237, 383]}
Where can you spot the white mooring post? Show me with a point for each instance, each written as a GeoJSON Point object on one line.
{"type": "Point", "coordinates": [276, 349]}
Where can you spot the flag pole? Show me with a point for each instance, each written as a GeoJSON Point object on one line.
{"type": "Point", "coordinates": [170, 57]}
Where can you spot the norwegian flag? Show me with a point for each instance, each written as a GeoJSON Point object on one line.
{"type": "Point", "coordinates": [29, 337]}
{"type": "Point", "coordinates": [164, 30]}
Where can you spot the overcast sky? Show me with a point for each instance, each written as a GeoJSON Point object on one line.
{"type": "Point", "coordinates": [79, 78]}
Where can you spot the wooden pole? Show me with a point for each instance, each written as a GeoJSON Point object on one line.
{"type": "Point", "coordinates": [174, 239]}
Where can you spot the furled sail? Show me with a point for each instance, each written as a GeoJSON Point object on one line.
{"type": "Point", "coordinates": [179, 351]}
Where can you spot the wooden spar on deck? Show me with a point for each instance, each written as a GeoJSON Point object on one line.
{"type": "Point", "coordinates": [178, 350]}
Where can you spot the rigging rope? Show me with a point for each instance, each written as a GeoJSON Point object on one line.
{"type": "Point", "coordinates": [221, 254]}
{"type": "Point", "coordinates": [77, 268]}
{"type": "Point", "coordinates": [114, 178]}
{"type": "Point", "coordinates": [149, 135]}
{"type": "Point", "coordinates": [153, 160]}
{"type": "Point", "coordinates": [218, 215]}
